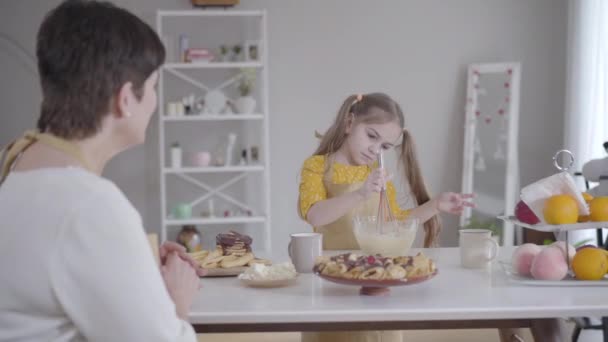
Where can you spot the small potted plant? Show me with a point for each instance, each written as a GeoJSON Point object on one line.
{"type": "Point", "coordinates": [245, 104]}
{"type": "Point", "coordinates": [236, 52]}
{"type": "Point", "coordinates": [224, 51]}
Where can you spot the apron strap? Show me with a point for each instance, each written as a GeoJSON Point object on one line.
{"type": "Point", "coordinates": [12, 151]}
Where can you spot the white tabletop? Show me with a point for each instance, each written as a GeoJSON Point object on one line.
{"type": "Point", "coordinates": [454, 294]}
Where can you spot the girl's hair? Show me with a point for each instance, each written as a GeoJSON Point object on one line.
{"type": "Point", "coordinates": [379, 108]}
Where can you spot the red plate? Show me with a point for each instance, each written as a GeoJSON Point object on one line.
{"type": "Point", "coordinates": [373, 287]}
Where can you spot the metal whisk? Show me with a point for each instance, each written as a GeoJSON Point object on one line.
{"type": "Point", "coordinates": [385, 215]}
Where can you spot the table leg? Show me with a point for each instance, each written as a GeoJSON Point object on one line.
{"type": "Point", "coordinates": [605, 328]}
{"type": "Point", "coordinates": [548, 330]}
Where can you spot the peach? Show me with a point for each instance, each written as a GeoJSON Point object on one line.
{"type": "Point", "coordinates": [523, 256]}
{"type": "Point", "coordinates": [549, 264]}
{"type": "Point", "coordinates": [562, 245]}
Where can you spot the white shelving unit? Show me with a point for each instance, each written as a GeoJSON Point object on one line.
{"type": "Point", "coordinates": [211, 117]}
{"type": "Point", "coordinates": [216, 65]}
{"type": "Point", "coordinates": [254, 125]}
{"type": "Point", "coordinates": [212, 169]}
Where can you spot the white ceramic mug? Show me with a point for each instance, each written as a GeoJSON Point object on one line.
{"type": "Point", "coordinates": [477, 248]}
{"type": "Point", "coordinates": [303, 249]}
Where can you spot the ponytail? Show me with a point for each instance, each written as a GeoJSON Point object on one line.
{"type": "Point", "coordinates": [414, 177]}
{"type": "Point", "coordinates": [335, 136]}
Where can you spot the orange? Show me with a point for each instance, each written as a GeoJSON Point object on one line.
{"type": "Point", "coordinates": [560, 209]}
{"type": "Point", "coordinates": [599, 209]}
{"type": "Point", "coordinates": [587, 197]}
{"type": "Point", "coordinates": [590, 264]}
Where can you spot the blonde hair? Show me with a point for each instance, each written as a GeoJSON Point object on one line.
{"type": "Point", "coordinates": [379, 108]}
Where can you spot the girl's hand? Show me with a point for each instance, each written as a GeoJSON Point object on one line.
{"type": "Point", "coordinates": [374, 182]}
{"type": "Point", "coordinates": [453, 203]}
{"type": "Point", "coordinates": [169, 247]}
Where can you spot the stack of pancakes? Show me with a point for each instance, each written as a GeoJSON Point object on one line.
{"type": "Point", "coordinates": [232, 250]}
{"type": "Point", "coordinates": [233, 243]}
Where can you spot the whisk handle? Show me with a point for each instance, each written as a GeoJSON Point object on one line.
{"type": "Point", "coordinates": [381, 166]}
{"type": "Point", "coordinates": [380, 160]}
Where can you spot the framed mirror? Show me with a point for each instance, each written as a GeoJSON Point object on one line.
{"type": "Point", "coordinates": [490, 160]}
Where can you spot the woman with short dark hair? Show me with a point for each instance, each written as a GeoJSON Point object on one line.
{"type": "Point", "coordinates": [75, 261]}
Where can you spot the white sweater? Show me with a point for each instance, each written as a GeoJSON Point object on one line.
{"type": "Point", "coordinates": [75, 264]}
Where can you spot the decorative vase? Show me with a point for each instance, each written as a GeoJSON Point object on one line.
{"type": "Point", "coordinates": [245, 104]}
{"type": "Point", "coordinates": [182, 211]}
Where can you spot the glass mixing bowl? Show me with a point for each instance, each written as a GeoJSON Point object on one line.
{"type": "Point", "coordinates": [392, 238]}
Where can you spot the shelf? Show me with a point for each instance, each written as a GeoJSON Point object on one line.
{"type": "Point", "coordinates": [213, 65]}
{"type": "Point", "coordinates": [213, 181]}
{"type": "Point", "coordinates": [213, 117]}
{"type": "Point", "coordinates": [209, 13]}
{"type": "Point", "coordinates": [215, 169]}
{"type": "Point", "coordinates": [216, 220]}
{"type": "Point", "coordinates": [554, 228]}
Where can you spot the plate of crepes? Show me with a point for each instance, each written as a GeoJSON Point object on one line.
{"type": "Point", "coordinates": [375, 273]}
{"type": "Point", "coordinates": [231, 256]}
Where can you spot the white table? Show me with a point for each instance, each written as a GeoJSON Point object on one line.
{"type": "Point", "coordinates": [455, 298]}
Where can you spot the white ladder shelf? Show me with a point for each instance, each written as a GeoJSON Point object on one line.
{"type": "Point", "coordinates": [194, 176]}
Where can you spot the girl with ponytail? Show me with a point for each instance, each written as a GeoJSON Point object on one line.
{"type": "Point", "coordinates": [340, 180]}
{"type": "Point", "coordinates": [365, 125]}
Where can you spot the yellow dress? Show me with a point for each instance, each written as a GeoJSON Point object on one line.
{"type": "Point", "coordinates": [320, 181]}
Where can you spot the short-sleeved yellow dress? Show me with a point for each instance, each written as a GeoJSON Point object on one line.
{"type": "Point", "coordinates": [320, 180]}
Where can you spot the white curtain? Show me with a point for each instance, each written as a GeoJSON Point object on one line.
{"type": "Point", "coordinates": [586, 119]}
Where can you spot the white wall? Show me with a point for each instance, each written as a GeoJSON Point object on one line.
{"type": "Point", "coordinates": [321, 51]}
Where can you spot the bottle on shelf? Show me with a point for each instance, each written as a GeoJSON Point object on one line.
{"type": "Point", "coordinates": [210, 212]}
{"type": "Point", "coordinates": [243, 157]}
{"type": "Point", "coordinates": [255, 155]}
{"type": "Point", "coordinates": [230, 149]}
{"type": "Point", "coordinates": [176, 155]}
{"type": "Point", "coordinates": [184, 44]}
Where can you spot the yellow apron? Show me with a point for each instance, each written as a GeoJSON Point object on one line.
{"type": "Point", "coordinates": [11, 152]}
{"type": "Point", "coordinates": [339, 235]}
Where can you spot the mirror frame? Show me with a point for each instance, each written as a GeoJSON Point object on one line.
{"type": "Point", "coordinates": [512, 155]}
